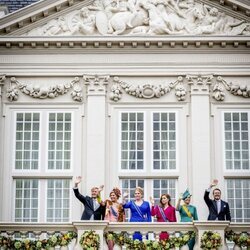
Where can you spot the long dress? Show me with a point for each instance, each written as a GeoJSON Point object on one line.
{"type": "Point", "coordinates": [186, 218]}
{"type": "Point", "coordinates": [114, 212]}
{"type": "Point", "coordinates": [139, 214]}
{"type": "Point", "coordinates": [169, 215]}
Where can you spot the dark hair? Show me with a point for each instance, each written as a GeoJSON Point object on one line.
{"type": "Point", "coordinates": [216, 189]}
{"type": "Point", "coordinates": [168, 197]}
{"type": "Point", "coordinates": [116, 191]}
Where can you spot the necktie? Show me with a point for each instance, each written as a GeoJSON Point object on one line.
{"type": "Point", "coordinates": [218, 206]}
{"type": "Point", "coordinates": [94, 204]}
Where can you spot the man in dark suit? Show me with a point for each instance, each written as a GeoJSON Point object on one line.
{"type": "Point", "coordinates": [93, 209]}
{"type": "Point", "coordinates": [218, 209]}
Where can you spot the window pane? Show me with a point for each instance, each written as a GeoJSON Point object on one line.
{"type": "Point", "coordinates": [164, 139]}
{"type": "Point", "coordinates": [59, 143]}
{"type": "Point", "coordinates": [27, 141]}
{"type": "Point", "coordinates": [238, 195]}
{"type": "Point", "coordinates": [57, 195]}
{"type": "Point", "coordinates": [236, 140]}
{"type": "Point", "coordinates": [26, 200]}
{"type": "Point", "coordinates": [132, 135]}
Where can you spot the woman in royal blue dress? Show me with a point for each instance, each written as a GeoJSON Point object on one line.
{"type": "Point", "coordinates": [140, 210]}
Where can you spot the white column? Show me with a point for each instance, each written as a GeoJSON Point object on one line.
{"type": "Point", "coordinates": [94, 166]}
{"type": "Point", "coordinates": [200, 141]}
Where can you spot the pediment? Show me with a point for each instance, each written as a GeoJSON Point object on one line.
{"type": "Point", "coordinates": [128, 18]}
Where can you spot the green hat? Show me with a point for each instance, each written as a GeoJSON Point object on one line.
{"type": "Point", "coordinates": [186, 194]}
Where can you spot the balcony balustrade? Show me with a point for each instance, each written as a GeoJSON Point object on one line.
{"type": "Point", "coordinates": [68, 235]}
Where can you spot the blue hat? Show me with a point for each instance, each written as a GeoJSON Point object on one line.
{"type": "Point", "coordinates": [186, 194]}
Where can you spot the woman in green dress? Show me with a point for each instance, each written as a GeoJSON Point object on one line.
{"type": "Point", "coordinates": [188, 213]}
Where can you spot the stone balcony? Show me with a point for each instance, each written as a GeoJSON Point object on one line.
{"type": "Point", "coordinates": [27, 232]}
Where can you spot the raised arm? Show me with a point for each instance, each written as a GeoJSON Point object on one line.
{"type": "Point", "coordinates": [207, 191]}
{"type": "Point", "coordinates": [76, 190]}
{"type": "Point", "coordinates": [124, 203]}
{"type": "Point", "coordinates": [153, 208]}
{"type": "Point", "coordinates": [177, 207]}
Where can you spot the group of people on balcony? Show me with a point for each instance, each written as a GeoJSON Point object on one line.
{"type": "Point", "coordinates": [141, 211]}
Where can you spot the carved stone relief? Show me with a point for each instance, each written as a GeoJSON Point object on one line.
{"type": "Point", "coordinates": [147, 91]}
{"type": "Point", "coordinates": [144, 17]}
{"type": "Point", "coordinates": [44, 91]}
{"type": "Point", "coordinates": [235, 89]}
{"type": "Point", "coordinates": [198, 84]}
{"type": "Point", "coordinates": [96, 85]}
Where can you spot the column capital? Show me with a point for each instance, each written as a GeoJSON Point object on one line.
{"type": "Point", "coordinates": [96, 84]}
{"type": "Point", "coordinates": [200, 84]}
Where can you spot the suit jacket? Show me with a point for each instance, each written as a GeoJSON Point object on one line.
{"type": "Point", "coordinates": [224, 213]}
{"type": "Point", "coordinates": [89, 207]}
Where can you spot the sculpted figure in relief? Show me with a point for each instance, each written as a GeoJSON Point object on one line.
{"type": "Point", "coordinates": [144, 17]}
{"type": "Point", "coordinates": [83, 23]}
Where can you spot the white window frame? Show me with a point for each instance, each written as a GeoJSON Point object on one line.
{"type": "Point", "coordinates": [148, 136]}
{"type": "Point", "coordinates": [223, 139]}
{"type": "Point", "coordinates": [42, 174]}
{"type": "Point", "coordinates": [120, 139]}
{"type": "Point", "coordinates": [114, 172]}
{"type": "Point", "coordinates": [219, 163]}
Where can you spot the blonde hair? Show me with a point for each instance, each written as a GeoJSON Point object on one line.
{"type": "Point", "coordinates": [94, 188]}
{"type": "Point", "coordinates": [139, 189]}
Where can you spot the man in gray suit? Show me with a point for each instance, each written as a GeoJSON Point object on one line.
{"type": "Point", "coordinates": [93, 209]}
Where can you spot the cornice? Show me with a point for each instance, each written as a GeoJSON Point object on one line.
{"type": "Point", "coordinates": [107, 43]}
{"type": "Point", "coordinates": [232, 7]}
{"type": "Point", "coordinates": [34, 13]}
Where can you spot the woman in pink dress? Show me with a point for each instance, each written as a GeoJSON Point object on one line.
{"type": "Point", "coordinates": [114, 210]}
{"type": "Point", "coordinates": [164, 212]}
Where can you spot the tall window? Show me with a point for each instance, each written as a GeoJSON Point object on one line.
{"type": "Point", "coordinates": [164, 140]}
{"type": "Point", "coordinates": [136, 128]}
{"type": "Point", "coordinates": [27, 140]}
{"type": "Point", "coordinates": [148, 149]}
{"type": "Point", "coordinates": [58, 200]}
{"type": "Point", "coordinates": [59, 141]}
{"type": "Point", "coordinates": [26, 202]}
{"type": "Point", "coordinates": [237, 160]}
{"type": "Point", "coordinates": [132, 140]}
{"type": "Point", "coordinates": [43, 143]}
{"type": "Point", "coordinates": [236, 130]}
{"type": "Point", "coordinates": [238, 195]}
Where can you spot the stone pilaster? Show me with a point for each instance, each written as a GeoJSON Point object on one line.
{"type": "Point", "coordinates": [95, 130]}
{"type": "Point", "coordinates": [200, 142]}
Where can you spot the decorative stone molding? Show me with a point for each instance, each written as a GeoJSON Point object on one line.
{"type": "Point", "coordinates": [96, 83]}
{"type": "Point", "coordinates": [44, 91]}
{"type": "Point", "coordinates": [235, 89]}
{"type": "Point", "coordinates": [199, 83]}
{"type": "Point", "coordinates": [146, 91]}
{"type": "Point", "coordinates": [125, 43]}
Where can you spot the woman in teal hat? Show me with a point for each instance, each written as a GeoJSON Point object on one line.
{"type": "Point", "coordinates": [188, 213]}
